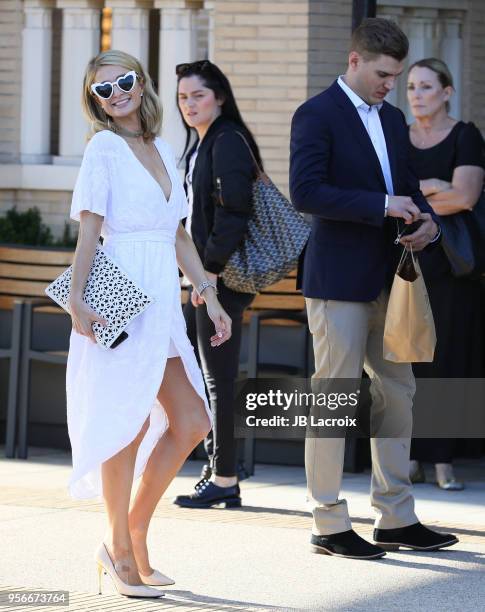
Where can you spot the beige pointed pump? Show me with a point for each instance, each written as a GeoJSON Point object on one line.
{"type": "Point", "coordinates": [156, 578]}
{"type": "Point", "coordinates": [106, 565]}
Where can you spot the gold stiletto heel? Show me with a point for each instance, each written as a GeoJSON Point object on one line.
{"type": "Point", "coordinates": [100, 574]}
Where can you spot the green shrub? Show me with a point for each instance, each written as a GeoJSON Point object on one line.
{"type": "Point", "coordinates": [27, 228]}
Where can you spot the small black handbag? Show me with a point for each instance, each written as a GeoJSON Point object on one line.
{"type": "Point", "coordinates": [463, 240]}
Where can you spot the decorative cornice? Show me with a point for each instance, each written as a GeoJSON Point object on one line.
{"type": "Point", "coordinates": [47, 177]}
{"type": "Point", "coordinates": [130, 4]}
{"type": "Point", "coordinates": [45, 4]}
{"type": "Point", "coordinates": [179, 4]}
{"type": "Point", "coordinates": [80, 19]}
{"type": "Point", "coordinates": [37, 18]}
{"type": "Point", "coordinates": [130, 19]}
{"type": "Point", "coordinates": [176, 19]}
{"type": "Point", "coordinates": [80, 4]}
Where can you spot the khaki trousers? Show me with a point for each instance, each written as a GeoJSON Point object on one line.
{"type": "Point", "coordinates": [347, 338]}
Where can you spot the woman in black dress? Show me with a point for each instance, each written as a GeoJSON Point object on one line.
{"type": "Point", "coordinates": [447, 156]}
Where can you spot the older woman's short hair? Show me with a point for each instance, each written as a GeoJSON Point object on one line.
{"type": "Point", "coordinates": [150, 109]}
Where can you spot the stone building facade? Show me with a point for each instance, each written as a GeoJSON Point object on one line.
{"type": "Point", "coordinates": [276, 53]}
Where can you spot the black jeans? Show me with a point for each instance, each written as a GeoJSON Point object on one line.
{"type": "Point", "coordinates": [220, 367]}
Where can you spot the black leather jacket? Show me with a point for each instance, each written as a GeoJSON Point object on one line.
{"type": "Point", "coordinates": [222, 185]}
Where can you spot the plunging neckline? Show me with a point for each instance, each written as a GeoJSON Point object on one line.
{"type": "Point", "coordinates": [167, 200]}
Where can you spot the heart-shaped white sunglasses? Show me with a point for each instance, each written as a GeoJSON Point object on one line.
{"type": "Point", "coordinates": [124, 83]}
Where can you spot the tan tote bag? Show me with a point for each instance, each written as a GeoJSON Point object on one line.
{"type": "Point", "coordinates": [409, 331]}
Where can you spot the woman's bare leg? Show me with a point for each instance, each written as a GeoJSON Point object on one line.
{"type": "Point", "coordinates": [188, 425]}
{"type": "Point", "coordinates": [117, 477]}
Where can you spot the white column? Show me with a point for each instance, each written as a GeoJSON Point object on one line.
{"type": "Point", "coordinates": [421, 32]}
{"type": "Point", "coordinates": [36, 81]}
{"type": "Point", "coordinates": [452, 54]}
{"type": "Point", "coordinates": [80, 42]}
{"type": "Point", "coordinates": [209, 6]}
{"type": "Point", "coordinates": [422, 38]}
{"type": "Point", "coordinates": [130, 26]}
{"type": "Point", "coordinates": [176, 47]}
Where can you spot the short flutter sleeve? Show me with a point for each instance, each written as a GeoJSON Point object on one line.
{"type": "Point", "coordinates": [92, 191]}
{"type": "Point", "coordinates": [470, 147]}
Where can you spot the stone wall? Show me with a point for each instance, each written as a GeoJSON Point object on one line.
{"type": "Point", "coordinates": [473, 65]}
{"type": "Point", "coordinates": [329, 37]}
{"type": "Point", "coordinates": [263, 48]}
{"type": "Point", "coordinates": [54, 206]}
{"type": "Point", "coordinates": [10, 78]}
{"type": "Point", "coordinates": [277, 53]}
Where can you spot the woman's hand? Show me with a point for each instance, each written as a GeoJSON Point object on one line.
{"type": "Point", "coordinates": [217, 314]}
{"type": "Point", "coordinates": [83, 318]}
{"type": "Point", "coordinates": [211, 277]}
{"type": "Point", "coordinates": [195, 298]}
{"type": "Point", "coordinates": [433, 185]}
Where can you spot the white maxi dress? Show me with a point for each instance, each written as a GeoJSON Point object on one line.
{"type": "Point", "coordinates": [110, 393]}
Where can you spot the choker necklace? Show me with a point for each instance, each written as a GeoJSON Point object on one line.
{"type": "Point", "coordinates": [121, 131]}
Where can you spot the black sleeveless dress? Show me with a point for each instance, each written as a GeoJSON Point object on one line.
{"type": "Point", "coordinates": [455, 302]}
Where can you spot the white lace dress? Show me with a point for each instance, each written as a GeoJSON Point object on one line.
{"type": "Point", "coordinates": [111, 392]}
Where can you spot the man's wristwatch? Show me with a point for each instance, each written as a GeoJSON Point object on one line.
{"type": "Point", "coordinates": [203, 286]}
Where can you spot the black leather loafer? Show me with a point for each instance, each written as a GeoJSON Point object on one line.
{"type": "Point", "coordinates": [208, 494]}
{"type": "Point", "coordinates": [416, 537]}
{"type": "Point", "coordinates": [346, 544]}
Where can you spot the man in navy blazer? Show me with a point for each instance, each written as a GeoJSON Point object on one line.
{"type": "Point", "coordinates": [350, 170]}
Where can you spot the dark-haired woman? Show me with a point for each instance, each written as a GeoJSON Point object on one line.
{"type": "Point", "coordinates": [219, 177]}
{"type": "Point", "coordinates": [448, 159]}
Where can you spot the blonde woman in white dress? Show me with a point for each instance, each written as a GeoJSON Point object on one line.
{"type": "Point", "coordinates": [138, 409]}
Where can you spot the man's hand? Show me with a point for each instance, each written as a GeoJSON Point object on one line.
{"type": "Point", "coordinates": [403, 208]}
{"type": "Point", "coordinates": [422, 236]}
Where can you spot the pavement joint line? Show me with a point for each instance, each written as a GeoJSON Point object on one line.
{"type": "Point", "coordinates": [57, 500]}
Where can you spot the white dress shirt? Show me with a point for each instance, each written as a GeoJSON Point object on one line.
{"type": "Point", "coordinates": [372, 123]}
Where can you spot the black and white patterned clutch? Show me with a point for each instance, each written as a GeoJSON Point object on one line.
{"type": "Point", "coordinates": [110, 293]}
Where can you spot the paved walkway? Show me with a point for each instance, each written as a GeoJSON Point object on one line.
{"type": "Point", "coordinates": [253, 558]}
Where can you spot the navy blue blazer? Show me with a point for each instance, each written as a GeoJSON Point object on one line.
{"type": "Point", "coordinates": [335, 175]}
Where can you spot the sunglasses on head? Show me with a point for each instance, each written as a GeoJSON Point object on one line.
{"type": "Point", "coordinates": [124, 83]}
{"type": "Point", "coordinates": [198, 66]}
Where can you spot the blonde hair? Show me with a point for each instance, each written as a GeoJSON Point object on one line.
{"type": "Point", "coordinates": [440, 68]}
{"type": "Point", "coordinates": [150, 109]}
